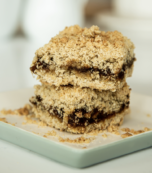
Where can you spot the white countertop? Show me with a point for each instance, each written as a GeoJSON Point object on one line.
{"type": "Point", "coordinates": [16, 56]}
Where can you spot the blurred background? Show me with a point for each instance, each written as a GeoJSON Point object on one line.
{"type": "Point", "coordinates": [26, 25]}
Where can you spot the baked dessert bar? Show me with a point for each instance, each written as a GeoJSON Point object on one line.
{"type": "Point", "coordinates": [85, 58]}
{"type": "Point", "coordinates": [79, 110]}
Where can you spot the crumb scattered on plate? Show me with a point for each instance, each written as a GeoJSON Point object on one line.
{"type": "Point", "coordinates": [79, 140]}
{"type": "Point", "coordinates": [26, 110]}
{"type": "Point", "coordinates": [104, 135]}
{"type": "Point", "coordinates": [126, 135]}
{"type": "Point", "coordinates": [125, 129]}
{"type": "Point", "coordinates": [116, 132]}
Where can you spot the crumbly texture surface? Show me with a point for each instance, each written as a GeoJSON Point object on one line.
{"type": "Point", "coordinates": [80, 106]}
{"type": "Point", "coordinates": [55, 122]}
{"type": "Point", "coordinates": [86, 53]}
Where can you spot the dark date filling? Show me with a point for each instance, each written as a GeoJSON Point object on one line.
{"type": "Point", "coordinates": [80, 117]}
{"type": "Point", "coordinates": [38, 64]}
{"type": "Point", "coordinates": [106, 72]}
{"type": "Point", "coordinates": [37, 102]}
{"type": "Point", "coordinates": [95, 116]}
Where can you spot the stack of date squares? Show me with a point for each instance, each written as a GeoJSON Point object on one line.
{"type": "Point", "coordinates": [83, 75]}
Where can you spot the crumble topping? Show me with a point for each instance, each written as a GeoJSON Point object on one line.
{"type": "Point", "coordinates": [72, 46]}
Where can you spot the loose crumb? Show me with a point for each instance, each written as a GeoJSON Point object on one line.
{"type": "Point", "coordinates": [3, 120]}
{"type": "Point", "coordinates": [41, 124]}
{"type": "Point", "coordinates": [125, 129]}
{"type": "Point", "coordinates": [126, 135]}
{"type": "Point", "coordinates": [26, 110]}
{"type": "Point", "coordinates": [146, 129]}
{"type": "Point", "coordinates": [29, 120]}
{"type": "Point", "coordinates": [79, 140]}
{"type": "Point", "coordinates": [116, 132]}
{"type": "Point", "coordinates": [132, 131]}
{"type": "Point", "coordinates": [138, 132]}
{"type": "Point", "coordinates": [128, 111]}
{"type": "Point", "coordinates": [104, 135]}
{"type": "Point", "coordinates": [94, 132]}
{"type": "Point", "coordinates": [135, 132]}
{"type": "Point", "coordinates": [51, 133]}
{"type": "Point", "coordinates": [6, 112]}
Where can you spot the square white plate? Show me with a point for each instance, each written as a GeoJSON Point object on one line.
{"type": "Point", "coordinates": [99, 150]}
